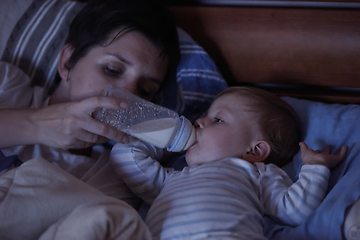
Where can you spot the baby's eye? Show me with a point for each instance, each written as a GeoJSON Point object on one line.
{"type": "Point", "coordinates": [218, 120]}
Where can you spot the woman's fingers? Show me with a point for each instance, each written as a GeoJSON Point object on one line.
{"type": "Point", "coordinates": [89, 105]}
{"type": "Point", "coordinates": [96, 131]}
{"type": "Point", "coordinates": [70, 125]}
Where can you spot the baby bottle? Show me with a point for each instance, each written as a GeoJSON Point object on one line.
{"type": "Point", "coordinates": [149, 122]}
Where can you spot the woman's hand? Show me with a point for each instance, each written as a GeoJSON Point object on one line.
{"type": "Point", "coordinates": [310, 156]}
{"type": "Point", "coordinates": [71, 125]}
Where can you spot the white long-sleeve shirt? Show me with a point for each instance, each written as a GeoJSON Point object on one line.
{"type": "Point", "coordinates": [224, 199]}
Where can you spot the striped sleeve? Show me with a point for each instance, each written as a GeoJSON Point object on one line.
{"type": "Point", "coordinates": [290, 203]}
{"type": "Point", "coordinates": [135, 163]}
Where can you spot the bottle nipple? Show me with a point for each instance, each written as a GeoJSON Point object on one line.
{"type": "Point", "coordinates": [191, 139]}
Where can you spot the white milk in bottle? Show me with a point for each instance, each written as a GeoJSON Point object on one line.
{"type": "Point", "coordinates": [159, 136]}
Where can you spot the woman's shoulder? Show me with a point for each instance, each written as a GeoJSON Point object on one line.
{"type": "Point", "coordinates": [12, 76]}
{"type": "Point", "coordinates": [15, 87]}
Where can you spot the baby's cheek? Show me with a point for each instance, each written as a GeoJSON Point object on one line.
{"type": "Point", "coordinates": [189, 154]}
{"type": "Point", "coordinates": [196, 155]}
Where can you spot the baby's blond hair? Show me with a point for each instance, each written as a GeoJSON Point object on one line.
{"type": "Point", "coordinates": [277, 121]}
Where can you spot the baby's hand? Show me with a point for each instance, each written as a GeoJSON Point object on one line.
{"type": "Point", "coordinates": [310, 156]}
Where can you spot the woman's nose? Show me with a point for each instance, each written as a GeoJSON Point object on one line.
{"type": "Point", "coordinates": [130, 86]}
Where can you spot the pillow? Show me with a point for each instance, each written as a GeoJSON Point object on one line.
{"type": "Point", "coordinates": [326, 124]}
{"type": "Point", "coordinates": [37, 36]}
{"type": "Point", "coordinates": [197, 81]}
{"type": "Point", "coordinates": [39, 32]}
{"type": "Point", "coordinates": [17, 9]}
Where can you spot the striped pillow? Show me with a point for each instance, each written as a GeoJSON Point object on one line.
{"type": "Point", "coordinates": [196, 83]}
{"type": "Point", "coordinates": [37, 38]}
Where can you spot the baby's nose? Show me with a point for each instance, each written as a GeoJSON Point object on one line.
{"type": "Point", "coordinates": [198, 123]}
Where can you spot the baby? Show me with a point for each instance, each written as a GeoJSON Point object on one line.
{"type": "Point", "coordinates": [233, 178]}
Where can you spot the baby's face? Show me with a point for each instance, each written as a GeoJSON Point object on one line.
{"type": "Point", "coordinates": [227, 130]}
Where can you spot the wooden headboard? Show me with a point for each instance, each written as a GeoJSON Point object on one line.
{"type": "Point", "coordinates": [308, 52]}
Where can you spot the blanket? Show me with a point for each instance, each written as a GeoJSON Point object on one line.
{"type": "Point", "coordinates": [41, 201]}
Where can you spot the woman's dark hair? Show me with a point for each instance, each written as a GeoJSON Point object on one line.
{"type": "Point", "coordinates": [99, 19]}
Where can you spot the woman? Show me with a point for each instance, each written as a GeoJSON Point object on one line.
{"type": "Point", "coordinates": [129, 44]}
{"type": "Point", "coordinates": [102, 29]}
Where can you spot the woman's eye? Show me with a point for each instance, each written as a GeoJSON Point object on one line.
{"type": "Point", "coordinates": [112, 71]}
{"type": "Point", "coordinates": [147, 94]}
{"type": "Point", "coordinates": [144, 94]}
{"type": "Point", "coordinates": [147, 89]}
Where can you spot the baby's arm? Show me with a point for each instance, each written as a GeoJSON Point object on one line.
{"type": "Point", "coordinates": [136, 163]}
{"type": "Point", "coordinates": [291, 203]}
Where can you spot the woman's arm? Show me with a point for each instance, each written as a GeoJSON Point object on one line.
{"type": "Point", "coordinates": [65, 125]}
{"type": "Point", "coordinates": [16, 127]}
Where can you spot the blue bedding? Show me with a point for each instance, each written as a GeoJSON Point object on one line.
{"type": "Point", "coordinates": [334, 125]}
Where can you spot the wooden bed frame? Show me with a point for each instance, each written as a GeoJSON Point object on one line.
{"type": "Point", "coordinates": [306, 51]}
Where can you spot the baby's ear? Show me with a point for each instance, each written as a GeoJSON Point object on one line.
{"type": "Point", "coordinates": [64, 57]}
{"type": "Point", "coordinates": [259, 152]}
